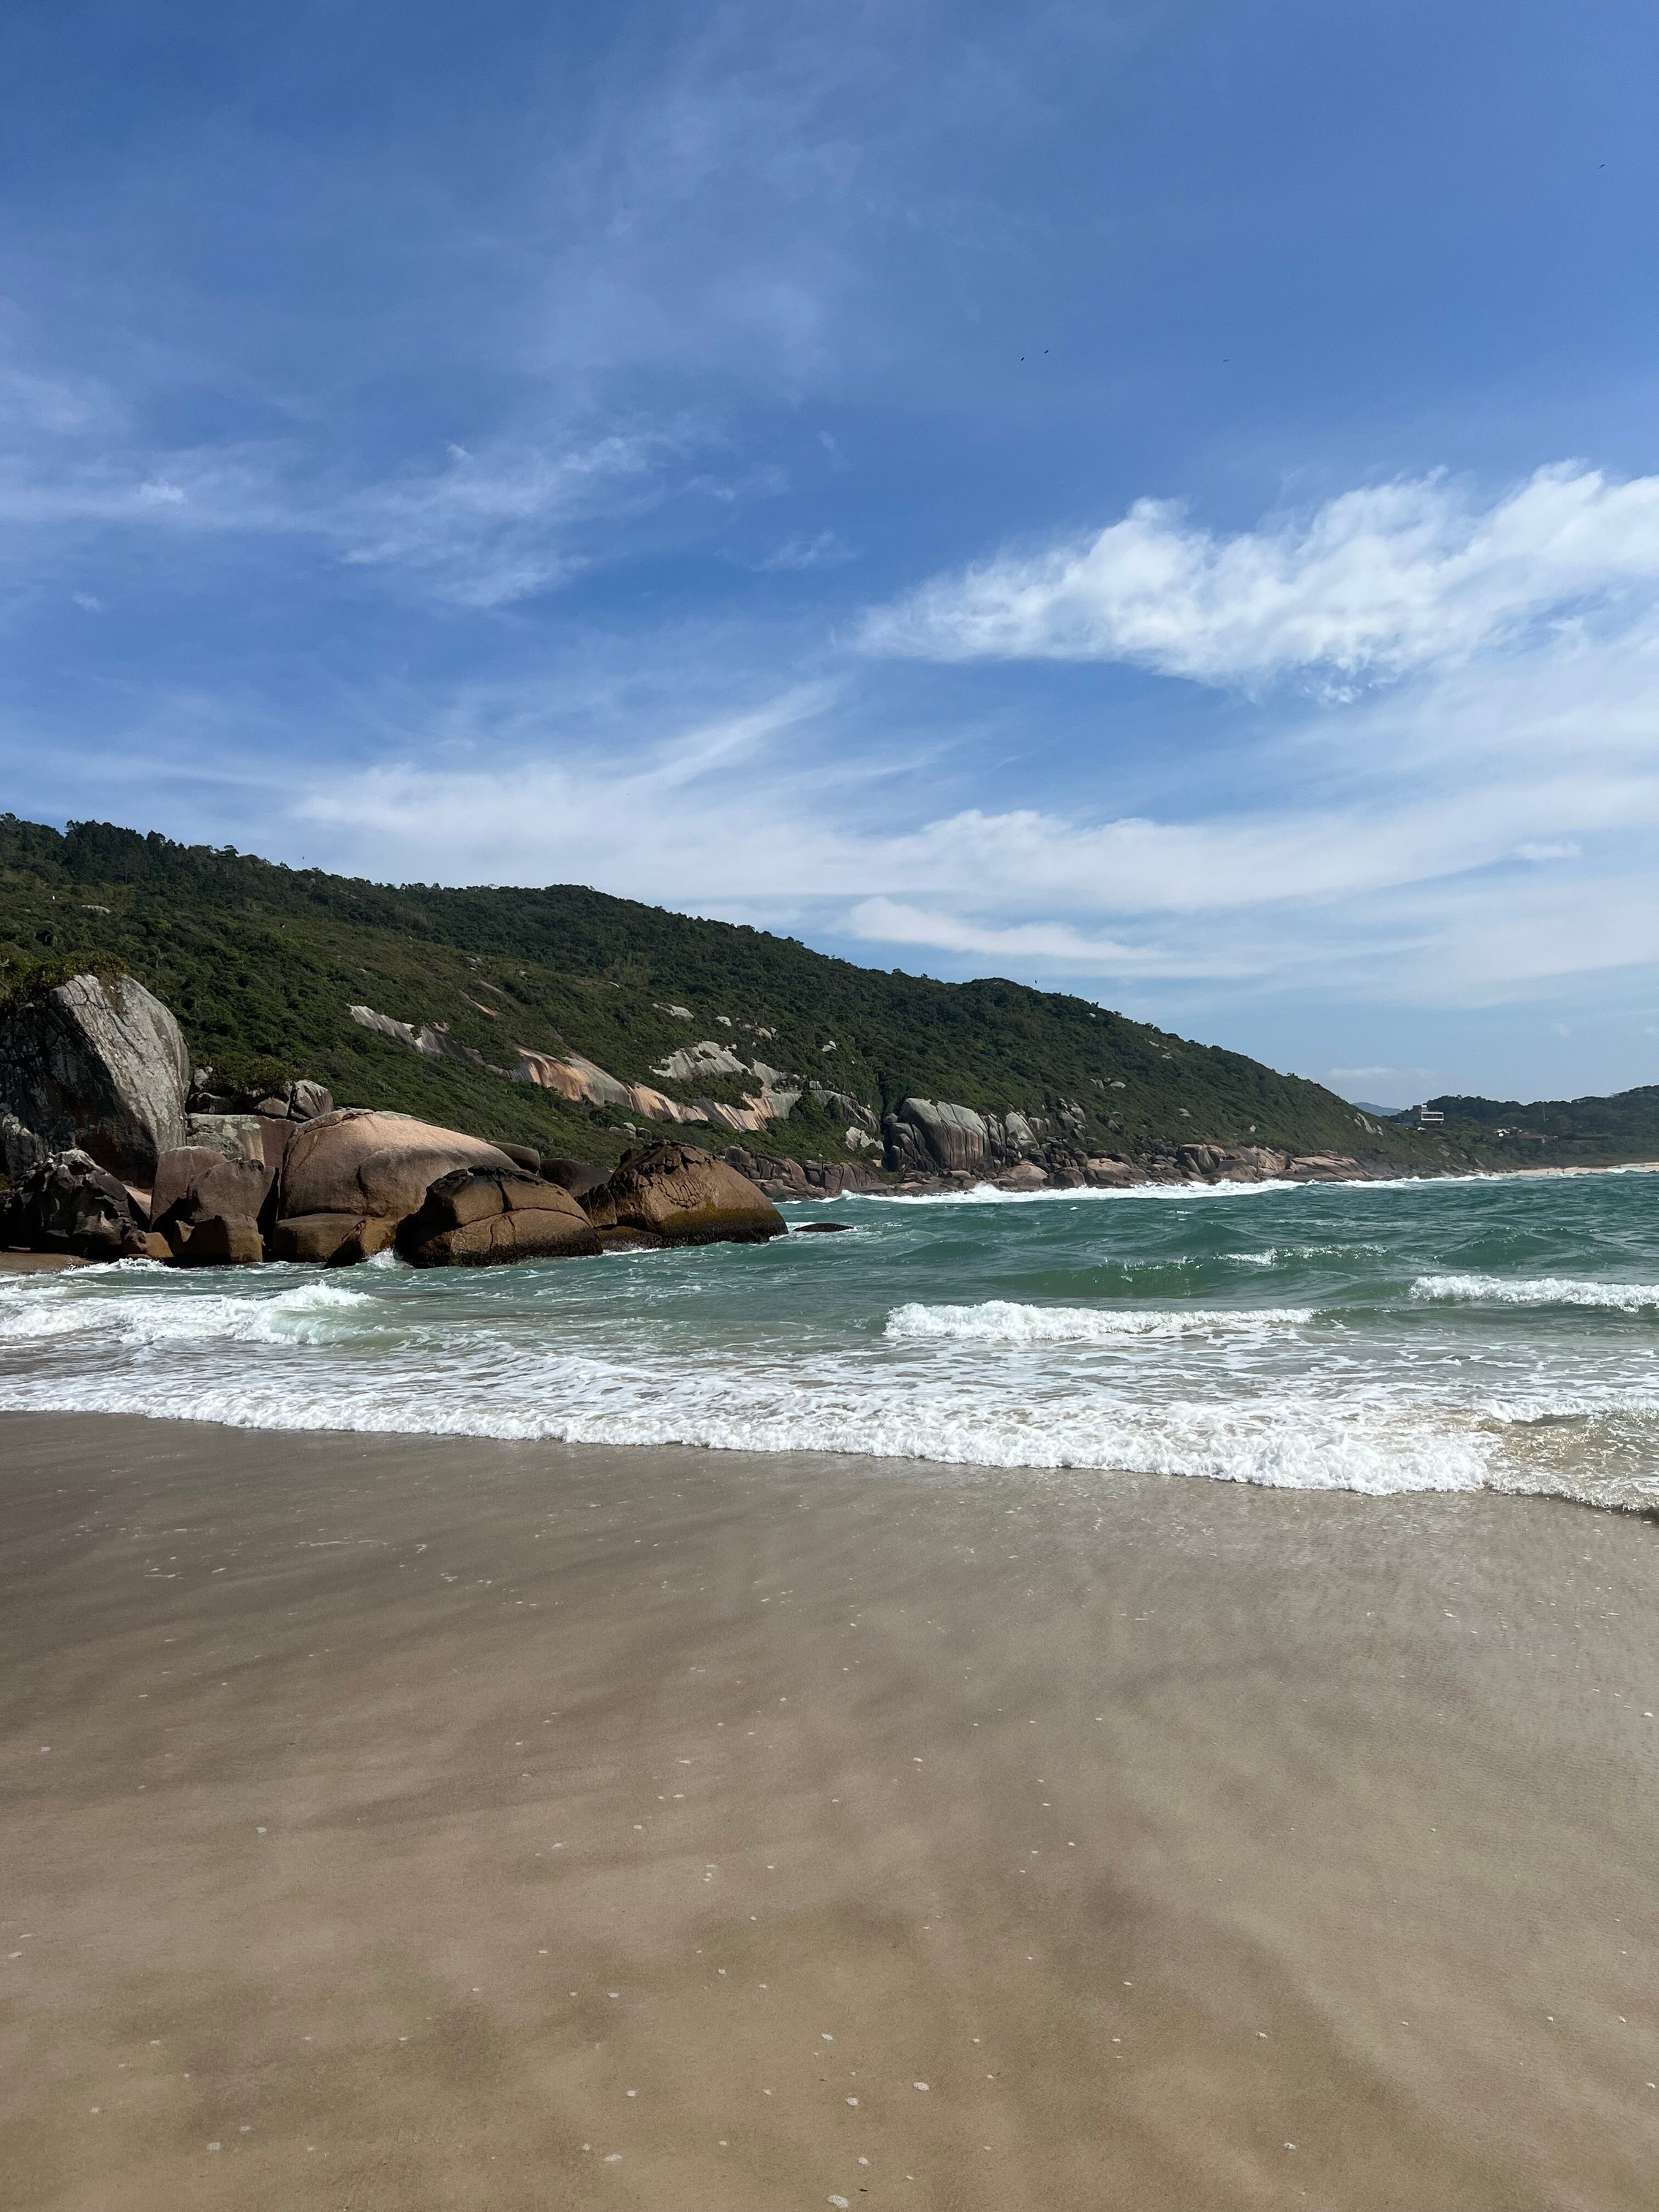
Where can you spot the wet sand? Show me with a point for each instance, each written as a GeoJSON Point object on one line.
{"type": "Point", "coordinates": [439, 1824]}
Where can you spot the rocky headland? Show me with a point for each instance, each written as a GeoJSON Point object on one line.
{"type": "Point", "coordinates": [116, 1147]}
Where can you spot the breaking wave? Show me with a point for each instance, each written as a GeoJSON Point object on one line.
{"type": "Point", "coordinates": [1539, 1291]}
{"type": "Point", "coordinates": [1440, 1337]}
{"type": "Point", "coordinates": [998, 1321]}
{"type": "Point", "coordinates": [87, 1304]}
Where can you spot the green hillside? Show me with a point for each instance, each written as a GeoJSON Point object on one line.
{"type": "Point", "coordinates": [260, 964]}
{"type": "Point", "coordinates": [1557, 1131]}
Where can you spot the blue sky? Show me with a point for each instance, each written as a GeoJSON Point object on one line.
{"type": "Point", "coordinates": [1158, 499]}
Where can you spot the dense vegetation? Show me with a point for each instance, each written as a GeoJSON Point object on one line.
{"type": "Point", "coordinates": [260, 964]}
{"type": "Point", "coordinates": [1560, 1131]}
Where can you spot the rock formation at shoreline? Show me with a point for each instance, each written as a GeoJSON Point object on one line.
{"type": "Point", "coordinates": [70, 1204]}
{"type": "Point", "coordinates": [219, 1177]}
{"type": "Point", "coordinates": [212, 1211]}
{"type": "Point", "coordinates": [349, 1176]}
{"type": "Point", "coordinates": [480, 1216]}
{"type": "Point", "coordinates": [676, 1195]}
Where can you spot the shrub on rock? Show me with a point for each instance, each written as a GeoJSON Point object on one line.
{"type": "Point", "coordinates": [486, 1216]}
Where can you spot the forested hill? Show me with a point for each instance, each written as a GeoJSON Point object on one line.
{"type": "Point", "coordinates": [1625, 1126]}
{"type": "Point", "coordinates": [261, 964]}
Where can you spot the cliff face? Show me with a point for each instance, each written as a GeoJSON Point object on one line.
{"type": "Point", "coordinates": [575, 1022]}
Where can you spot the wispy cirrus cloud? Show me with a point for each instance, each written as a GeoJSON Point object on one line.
{"type": "Point", "coordinates": [1376, 583]}
{"type": "Point", "coordinates": [480, 528]}
{"type": "Point", "coordinates": [823, 550]}
{"type": "Point", "coordinates": [491, 527]}
{"type": "Point", "coordinates": [1476, 828]}
{"type": "Point", "coordinates": [1052, 945]}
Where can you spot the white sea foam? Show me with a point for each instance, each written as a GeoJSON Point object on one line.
{"type": "Point", "coordinates": [986, 1194]}
{"type": "Point", "coordinates": [1288, 1443]}
{"type": "Point", "coordinates": [1536, 1290]}
{"type": "Point", "coordinates": [86, 1305]}
{"type": "Point", "coordinates": [912, 1354]}
{"type": "Point", "coordinates": [998, 1322]}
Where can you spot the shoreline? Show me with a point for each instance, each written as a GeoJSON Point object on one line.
{"type": "Point", "coordinates": [19, 1262]}
{"type": "Point", "coordinates": [947, 1186]}
{"type": "Point", "coordinates": [410, 1802]}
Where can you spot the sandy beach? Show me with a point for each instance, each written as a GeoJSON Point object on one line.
{"type": "Point", "coordinates": [420, 1824]}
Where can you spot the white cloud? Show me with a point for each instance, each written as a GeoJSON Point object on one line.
{"type": "Point", "coordinates": [488, 528]}
{"type": "Point", "coordinates": [482, 530]}
{"type": "Point", "coordinates": [1374, 583]}
{"type": "Point", "coordinates": [1469, 834]}
{"type": "Point", "coordinates": [1481, 828]}
{"type": "Point", "coordinates": [54, 490]}
{"type": "Point", "coordinates": [1049, 945]}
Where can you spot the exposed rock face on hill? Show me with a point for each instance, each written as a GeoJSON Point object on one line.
{"type": "Point", "coordinates": [585, 1083]}
{"type": "Point", "coordinates": [478, 1217]}
{"type": "Point", "coordinates": [692, 1060]}
{"type": "Point", "coordinates": [432, 1038]}
{"type": "Point", "coordinates": [101, 1066]}
{"type": "Point", "coordinates": [674, 1195]}
{"type": "Point", "coordinates": [68, 1203]}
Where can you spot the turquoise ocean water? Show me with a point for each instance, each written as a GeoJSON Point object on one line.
{"type": "Point", "coordinates": [1492, 1334]}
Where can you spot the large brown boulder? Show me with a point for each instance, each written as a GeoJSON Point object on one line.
{"type": "Point", "coordinates": [222, 1241]}
{"type": "Point", "coordinates": [196, 1188]}
{"type": "Point", "coordinates": [99, 1066]}
{"type": "Point", "coordinates": [329, 1240]}
{"type": "Point", "coordinates": [681, 1195]}
{"type": "Point", "coordinates": [480, 1217]}
{"type": "Point", "coordinates": [276, 1136]}
{"type": "Point", "coordinates": [70, 1204]}
{"type": "Point", "coordinates": [374, 1166]}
